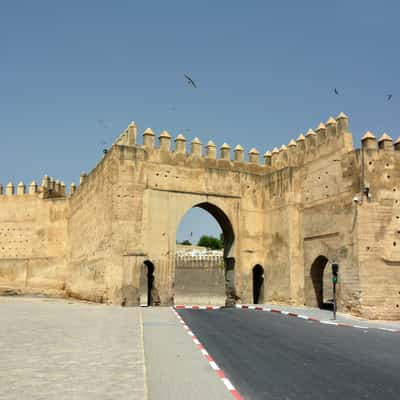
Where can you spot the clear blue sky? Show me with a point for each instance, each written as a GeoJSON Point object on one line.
{"type": "Point", "coordinates": [265, 72]}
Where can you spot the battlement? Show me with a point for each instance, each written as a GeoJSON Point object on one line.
{"type": "Point", "coordinates": [49, 188]}
{"type": "Point", "coordinates": [329, 137]}
{"type": "Point", "coordinates": [384, 144]}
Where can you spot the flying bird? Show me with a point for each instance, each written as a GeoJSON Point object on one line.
{"type": "Point", "coordinates": [190, 81]}
{"type": "Point", "coordinates": [389, 96]}
{"type": "Point", "coordinates": [105, 145]}
{"type": "Point", "coordinates": [336, 91]}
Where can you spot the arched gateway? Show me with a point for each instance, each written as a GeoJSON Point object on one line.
{"type": "Point", "coordinates": [207, 279]}
{"type": "Point", "coordinates": [317, 195]}
{"type": "Point", "coordinates": [164, 213]}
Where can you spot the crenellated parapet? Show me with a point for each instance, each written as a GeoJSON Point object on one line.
{"type": "Point", "coordinates": [380, 163]}
{"type": "Point", "coordinates": [178, 151]}
{"type": "Point", "coordinates": [268, 159]}
{"type": "Point", "coordinates": [49, 188]}
{"type": "Point", "coordinates": [211, 150]}
{"type": "Point", "coordinates": [129, 136]}
{"type": "Point", "coordinates": [327, 138]}
{"type": "Point", "coordinates": [19, 189]}
{"type": "Point", "coordinates": [383, 145]}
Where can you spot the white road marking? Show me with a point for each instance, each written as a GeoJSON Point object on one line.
{"type": "Point", "coordinates": [214, 366]}
{"type": "Point", "coordinates": [328, 323]}
{"type": "Point", "coordinates": [302, 316]}
{"type": "Point", "coordinates": [228, 384]}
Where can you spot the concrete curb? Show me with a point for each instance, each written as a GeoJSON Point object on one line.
{"type": "Point", "coordinates": [207, 356]}
{"type": "Point", "coordinates": [180, 307]}
{"type": "Point", "coordinates": [293, 314]}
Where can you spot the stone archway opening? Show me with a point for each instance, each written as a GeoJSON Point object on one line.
{"type": "Point", "coordinates": [258, 284]}
{"type": "Point", "coordinates": [320, 278]}
{"type": "Point", "coordinates": [206, 277]}
{"type": "Point", "coordinates": [148, 291]}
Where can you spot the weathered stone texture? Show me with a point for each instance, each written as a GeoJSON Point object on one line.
{"type": "Point", "coordinates": [33, 240]}
{"type": "Point", "coordinates": [90, 236]}
{"type": "Point", "coordinates": [199, 280]}
{"type": "Point", "coordinates": [313, 201]}
{"type": "Point", "coordinates": [379, 235]}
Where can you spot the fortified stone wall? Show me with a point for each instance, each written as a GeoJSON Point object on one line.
{"type": "Point", "coordinates": [329, 224]}
{"type": "Point", "coordinates": [280, 246]}
{"type": "Point", "coordinates": [168, 185]}
{"type": "Point", "coordinates": [269, 201]}
{"type": "Point", "coordinates": [306, 204]}
{"type": "Point", "coordinates": [199, 279]}
{"type": "Point", "coordinates": [312, 196]}
{"type": "Point", "coordinates": [90, 234]}
{"type": "Point", "coordinates": [379, 227]}
{"type": "Point", "coordinates": [33, 238]}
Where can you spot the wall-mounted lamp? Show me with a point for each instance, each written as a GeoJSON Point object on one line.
{"type": "Point", "coordinates": [367, 192]}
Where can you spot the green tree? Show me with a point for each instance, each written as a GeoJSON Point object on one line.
{"type": "Point", "coordinates": [221, 239]}
{"type": "Point", "coordinates": [186, 243]}
{"type": "Point", "coordinates": [210, 242]}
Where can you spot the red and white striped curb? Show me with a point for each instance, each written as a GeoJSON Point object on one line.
{"type": "Point", "coordinates": [293, 314]}
{"type": "Point", "coordinates": [207, 356]}
{"type": "Point", "coordinates": [186, 307]}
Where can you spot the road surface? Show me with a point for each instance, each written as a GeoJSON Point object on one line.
{"type": "Point", "coordinates": [271, 356]}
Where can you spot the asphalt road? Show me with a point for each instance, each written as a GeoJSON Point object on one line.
{"type": "Point", "coordinates": [270, 356]}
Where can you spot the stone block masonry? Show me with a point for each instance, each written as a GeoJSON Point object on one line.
{"type": "Point", "coordinates": [112, 238]}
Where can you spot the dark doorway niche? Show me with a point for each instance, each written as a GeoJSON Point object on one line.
{"type": "Point", "coordinates": [258, 284]}
{"type": "Point", "coordinates": [317, 278]}
{"type": "Point", "coordinates": [147, 284]}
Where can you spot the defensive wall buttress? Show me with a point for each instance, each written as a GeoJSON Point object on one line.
{"type": "Point", "coordinates": [113, 237]}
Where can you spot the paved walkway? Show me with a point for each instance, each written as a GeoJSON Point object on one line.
{"type": "Point", "coordinates": [176, 369]}
{"type": "Point", "coordinates": [58, 349]}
